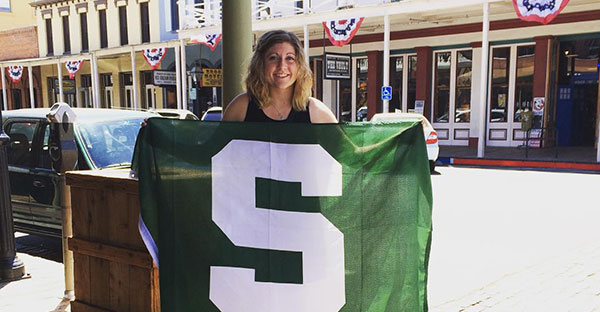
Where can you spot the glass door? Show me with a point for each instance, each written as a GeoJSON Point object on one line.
{"type": "Point", "coordinates": [451, 114]}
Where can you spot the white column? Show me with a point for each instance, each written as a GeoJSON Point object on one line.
{"type": "Point", "coordinates": [484, 75]}
{"type": "Point", "coordinates": [95, 85]}
{"type": "Point", "coordinates": [4, 99]}
{"type": "Point", "coordinates": [184, 87]}
{"type": "Point", "coordinates": [181, 7]}
{"type": "Point", "coordinates": [178, 76]}
{"type": "Point", "coordinates": [61, 97]}
{"type": "Point", "coordinates": [306, 36]}
{"type": "Point", "coordinates": [134, 79]}
{"type": "Point", "coordinates": [31, 95]}
{"type": "Point", "coordinates": [386, 58]}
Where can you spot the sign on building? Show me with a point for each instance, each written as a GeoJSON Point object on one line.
{"type": "Point", "coordinates": [386, 93]}
{"type": "Point", "coordinates": [212, 77]}
{"type": "Point", "coordinates": [337, 66]}
{"type": "Point", "coordinates": [164, 78]}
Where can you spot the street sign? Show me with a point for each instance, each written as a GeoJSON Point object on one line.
{"type": "Point", "coordinates": [386, 93]}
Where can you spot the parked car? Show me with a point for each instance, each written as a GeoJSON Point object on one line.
{"type": "Point", "coordinates": [431, 139]}
{"type": "Point", "coordinates": [175, 113]}
{"type": "Point", "coordinates": [214, 113]}
{"type": "Point", "coordinates": [105, 138]}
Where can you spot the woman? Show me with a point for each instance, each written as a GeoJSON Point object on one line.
{"type": "Point", "coordinates": [278, 85]}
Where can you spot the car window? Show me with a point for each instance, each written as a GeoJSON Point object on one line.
{"type": "Point", "coordinates": [21, 137]}
{"type": "Point", "coordinates": [45, 159]}
{"type": "Point", "coordinates": [110, 142]}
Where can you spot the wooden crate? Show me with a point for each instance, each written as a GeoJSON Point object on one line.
{"type": "Point", "coordinates": [113, 270]}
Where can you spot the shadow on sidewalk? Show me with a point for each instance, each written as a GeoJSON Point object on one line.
{"type": "Point", "coordinates": [49, 248]}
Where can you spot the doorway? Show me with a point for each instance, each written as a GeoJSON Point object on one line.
{"type": "Point", "coordinates": [577, 98]}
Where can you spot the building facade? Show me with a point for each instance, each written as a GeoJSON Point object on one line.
{"type": "Point", "coordinates": [18, 39]}
{"type": "Point", "coordinates": [434, 58]}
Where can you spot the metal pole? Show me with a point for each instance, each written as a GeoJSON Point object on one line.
{"type": "Point", "coordinates": [97, 101]}
{"type": "Point", "coordinates": [31, 95]}
{"type": "Point", "coordinates": [483, 79]}
{"type": "Point", "coordinates": [237, 46]}
{"type": "Point", "coordinates": [178, 76]}
{"type": "Point", "coordinates": [4, 98]}
{"type": "Point", "coordinates": [134, 79]}
{"type": "Point", "coordinates": [67, 226]}
{"type": "Point", "coordinates": [61, 97]}
{"type": "Point", "coordinates": [306, 35]}
{"type": "Point", "coordinates": [11, 267]}
{"type": "Point", "coordinates": [183, 76]}
{"type": "Point", "coordinates": [386, 58]}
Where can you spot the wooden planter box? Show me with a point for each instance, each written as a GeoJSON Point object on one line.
{"type": "Point", "coordinates": [112, 268]}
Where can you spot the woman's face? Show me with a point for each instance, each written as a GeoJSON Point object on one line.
{"type": "Point", "coordinates": [280, 65]}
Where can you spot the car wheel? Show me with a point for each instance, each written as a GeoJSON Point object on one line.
{"type": "Point", "coordinates": [431, 166]}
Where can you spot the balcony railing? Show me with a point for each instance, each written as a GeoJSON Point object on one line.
{"type": "Point", "coordinates": [208, 13]}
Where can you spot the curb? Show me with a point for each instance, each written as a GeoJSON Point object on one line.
{"type": "Point", "coordinates": [512, 163]}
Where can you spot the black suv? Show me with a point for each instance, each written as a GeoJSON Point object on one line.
{"type": "Point", "coordinates": [104, 138]}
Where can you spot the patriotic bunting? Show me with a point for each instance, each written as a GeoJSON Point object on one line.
{"type": "Point", "coordinates": [342, 31]}
{"type": "Point", "coordinates": [15, 73]}
{"type": "Point", "coordinates": [211, 40]}
{"type": "Point", "coordinates": [154, 56]}
{"type": "Point", "coordinates": [73, 67]}
{"type": "Point", "coordinates": [542, 11]}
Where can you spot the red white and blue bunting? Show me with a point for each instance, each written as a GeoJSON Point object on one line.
{"type": "Point", "coordinates": [210, 40]}
{"type": "Point", "coordinates": [154, 56]}
{"type": "Point", "coordinates": [73, 67]}
{"type": "Point", "coordinates": [542, 11]}
{"type": "Point", "coordinates": [341, 32]}
{"type": "Point", "coordinates": [15, 73]}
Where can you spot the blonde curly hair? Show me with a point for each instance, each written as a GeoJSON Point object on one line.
{"type": "Point", "coordinates": [256, 82]}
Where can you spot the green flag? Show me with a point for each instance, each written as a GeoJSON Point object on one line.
{"type": "Point", "coordinates": [286, 217]}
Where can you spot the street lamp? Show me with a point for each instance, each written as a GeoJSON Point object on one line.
{"type": "Point", "coordinates": [11, 267]}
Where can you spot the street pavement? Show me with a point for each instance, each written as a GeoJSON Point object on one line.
{"type": "Point", "coordinates": [510, 240]}
{"type": "Point", "coordinates": [503, 240]}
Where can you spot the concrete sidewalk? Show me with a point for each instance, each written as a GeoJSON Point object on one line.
{"type": "Point", "coordinates": [42, 290]}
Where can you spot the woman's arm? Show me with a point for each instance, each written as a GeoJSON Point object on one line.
{"type": "Point", "coordinates": [319, 112]}
{"type": "Point", "coordinates": [236, 109]}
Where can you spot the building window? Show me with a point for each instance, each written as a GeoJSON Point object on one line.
{"type": "Point", "coordinates": [145, 22]}
{"type": "Point", "coordinates": [174, 15]}
{"type": "Point", "coordinates": [126, 80]}
{"type": "Point", "coordinates": [84, 32]}
{"type": "Point", "coordinates": [103, 31]}
{"type": "Point", "coordinates": [49, 40]}
{"type": "Point", "coordinates": [464, 69]}
{"type": "Point", "coordinates": [500, 76]}
{"type": "Point", "coordinates": [66, 34]}
{"type": "Point", "coordinates": [524, 84]}
{"type": "Point", "coordinates": [441, 94]}
{"type": "Point", "coordinates": [396, 80]}
{"type": "Point", "coordinates": [362, 71]}
{"type": "Point", "coordinates": [123, 24]}
{"type": "Point", "coordinates": [106, 83]}
{"type": "Point", "coordinates": [412, 83]}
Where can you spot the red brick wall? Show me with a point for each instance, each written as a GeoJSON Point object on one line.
{"type": "Point", "coordinates": [20, 43]}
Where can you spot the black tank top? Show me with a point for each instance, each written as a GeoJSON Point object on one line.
{"type": "Point", "coordinates": [253, 113]}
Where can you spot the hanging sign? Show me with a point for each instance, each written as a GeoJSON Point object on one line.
{"type": "Point", "coordinates": [73, 67]}
{"type": "Point", "coordinates": [211, 77]}
{"type": "Point", "coordinates": [337, 66]}
{"type": "Point", "coordinates": [15, 73]}
{"type": "Point", "coordinates": [542, 11]}
{"type": "Point", "coordinates": [210, 40]}
{"type": "Point", "coordinates": [341, 32]}
{"type": "Point", "coordinates": [154, 56]}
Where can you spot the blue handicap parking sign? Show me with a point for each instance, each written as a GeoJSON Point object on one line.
{"type": "Point", "coordinates": [386, 93]}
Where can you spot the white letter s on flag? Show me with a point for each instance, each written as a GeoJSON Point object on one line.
{"type": "Point", "coordinates": [234, 172]}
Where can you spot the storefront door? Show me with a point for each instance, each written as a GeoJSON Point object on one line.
{"type": "Point", "coordinates": [451, 114]}
{"type": "Point", "coordinates": [510, 93]}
